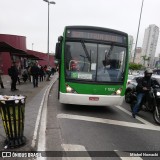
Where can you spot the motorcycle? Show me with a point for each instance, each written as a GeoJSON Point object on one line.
{"type": "Point", "coordinates": [156, 112]}
{"type": "Point", "coordinates": [150, 102]}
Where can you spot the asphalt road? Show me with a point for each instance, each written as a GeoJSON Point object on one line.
{"type": "Point", "coordinates": [96, 128]}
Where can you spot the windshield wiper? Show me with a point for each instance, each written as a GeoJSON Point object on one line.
{"type": "Point", "coordinates": [106, 58]}
{"type": "Point", "coordinates": [109, 52]}
{"type": "Point", "coordinates": [86, 52]}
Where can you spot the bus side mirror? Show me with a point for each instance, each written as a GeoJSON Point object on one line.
{"type": "Point", "coordinates": [60, 39]}
{"type": "Point", "coordinates": [58, 50]}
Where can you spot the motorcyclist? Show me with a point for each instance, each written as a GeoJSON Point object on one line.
{"type": "Point", "coordinates": [143, 87]}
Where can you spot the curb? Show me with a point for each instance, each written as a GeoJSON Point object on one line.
{"type": "Point", "coordinates": [39, 130]}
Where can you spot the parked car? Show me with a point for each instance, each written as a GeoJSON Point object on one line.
{"type": "Point", "coordinates": [156, 71]}
{"type": "Point", "coordinates": [131, 87]}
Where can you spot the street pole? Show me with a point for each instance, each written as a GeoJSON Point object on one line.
{"type": "Point", "coordinates": [32, 46]}
{"type": "Point", "coordinates": [48, 36]}
{"type": "Point", "coordinates": [138, 32]}
{"type": "Point", "coordinates": [49, 2]}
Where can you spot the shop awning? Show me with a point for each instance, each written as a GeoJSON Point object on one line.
{"type": "Point", "coordinates": [4, 47]}
{"type": "Point", "coordinates": [32, 57]}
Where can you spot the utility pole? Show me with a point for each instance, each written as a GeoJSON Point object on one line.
{"type": "Point", "coordinates": [138, 32]}
{"type": "Point", "coordinates": [49, 2]}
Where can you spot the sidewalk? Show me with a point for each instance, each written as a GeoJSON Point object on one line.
{"type": "Point", "coordinates": [33, 103]}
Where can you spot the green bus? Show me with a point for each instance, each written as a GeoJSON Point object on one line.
{"type": "Point", "coordinates": [93, 65]}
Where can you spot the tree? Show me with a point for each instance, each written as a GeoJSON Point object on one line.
{"type": "Point", "coordinates": [134, 66]}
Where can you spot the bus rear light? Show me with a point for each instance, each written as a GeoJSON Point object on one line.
{"type": "Point", "coordinates": [69, 89]}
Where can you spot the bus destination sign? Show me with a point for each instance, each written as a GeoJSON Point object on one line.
{"type": "Point", "coordinates": [95, 35]}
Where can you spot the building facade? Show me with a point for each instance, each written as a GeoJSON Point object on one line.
{"type": "Point", "coordinates": [130, 42]}
{"type": "Point", "coordinates": [13, 48]}
{"type": "Point", "coordinates": [138, 58]}
{"type": "Point", "coordinates": [150, 44]}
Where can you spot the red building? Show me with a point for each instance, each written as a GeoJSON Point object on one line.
{"type": "Point", "coordinates": [13, 48]}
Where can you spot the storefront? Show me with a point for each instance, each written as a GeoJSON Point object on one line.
{"type": "Point", "coordinates": [13, 48]}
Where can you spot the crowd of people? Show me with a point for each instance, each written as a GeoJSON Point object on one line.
{"type": "Point", "coordinates": [34, 73]}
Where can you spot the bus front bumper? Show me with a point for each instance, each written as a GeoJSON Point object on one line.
{"type": "Point", "coordinates": [93, 100]}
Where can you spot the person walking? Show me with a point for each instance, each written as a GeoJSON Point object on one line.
{"type": "Point", "coordinates": [48, 71]}
{"type": "Point", "coordinates": [13, 73]}
{"type": "Point", "coordinates": [41, 73]}
{"type": "Point", "coordinates": [35, 73]}
{"type": "Point", "coordinates": [19, 73]}
{"type": "Point", "coordinates": [53, 70]}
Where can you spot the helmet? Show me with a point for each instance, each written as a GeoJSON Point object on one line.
{"type": "Point", "coordinates": [148, 73]}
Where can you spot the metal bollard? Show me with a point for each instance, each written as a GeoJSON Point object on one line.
{"type": "Point", "coordinates": [12, 113]}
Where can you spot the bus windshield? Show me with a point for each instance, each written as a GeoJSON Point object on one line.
{"type": "Point", "coordinates": [94, 62]}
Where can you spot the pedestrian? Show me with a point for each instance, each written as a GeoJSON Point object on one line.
{"type": "Point", "coordinates": [143, 87]}
{"type": "Point", "coordinates": [41, 73]}
{"type": "Point", "coordinates": [1, 82]}
{"type": "Point", "coordinates": [25, 75]}
{"type": "Point", "coordinates": [35, 73]}
{"type": "Point", "coordinates": [18, 79]}
{"type": "Point", "coordinates": [48, 71]}
{"type": "Point", "coordinates": [19, 74]}
{"type": "Point", "coordinates": [57, 68]}
{"type": "Point", "coordinates": [53, 70]}
{"type": "Point", "coordinates": [13, 73]}
{"type": "Point", "coordinates": [45, 70]}
{"type": "Point", "coordinates": [29, 73]}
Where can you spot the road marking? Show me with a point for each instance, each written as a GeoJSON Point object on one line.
{"type": "Point", "coordinates": [73, 147]}
{"type": "Point", "coordinates": [137, 117]}
{"type": "Point", "coordinates": [38, 122]}
{"type": "Point", "coordinates": [109, 121]}
{"type": "Point", "coordinates": [43, 121]}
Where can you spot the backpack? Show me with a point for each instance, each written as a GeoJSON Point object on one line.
{"type": "Point", "coordinates": [9, 71]}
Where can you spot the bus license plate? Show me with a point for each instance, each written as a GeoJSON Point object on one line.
{"type": "Point", "coordinates": [94, 98]}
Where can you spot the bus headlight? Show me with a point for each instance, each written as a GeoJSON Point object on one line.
{"type": "Point", "coordinates": [118, 92]}
{"type": "Point", "coordinates": [69, 89]}
{"type": "Point", "coordinates": [158, 93]}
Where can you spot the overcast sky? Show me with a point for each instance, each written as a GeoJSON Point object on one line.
{"type": "Point", "coordinates": [30, 18]}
